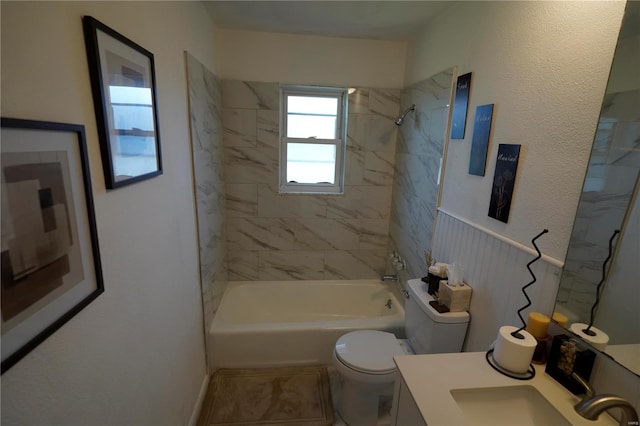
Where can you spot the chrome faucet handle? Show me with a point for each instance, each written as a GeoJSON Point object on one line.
{"type": "Point", "coordinates": [591, 408]}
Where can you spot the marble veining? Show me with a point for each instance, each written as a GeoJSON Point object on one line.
{"type": "Point", "coordinates": [324, 234]}
{"type": "Point", "coordinates": [239, 127]}
{"type": "Point", "coordinates": [291, 265]}
{"type": "Point", "coordinates": [250, 95]}
{"type": "Point", "coordinates": [260, 234]}
{"type": "Point", "coordinates": [378, 168]}
{"type": "Point", "coordinates": [268, 129]}
{"type": "Point", "coordinates": [272, 204]}
{"type": "Point", "coordinates": [242, 200]}
{"type": "Point", "coordinates": [354, 264]}
{"type": "Point", "coordinates": [417, 167]}
{"type": "Point", "coordinates": [207, 129]}
{"type": "Point", "coordinates": [293, 236]}
{"type": "Point", "coordinates": [614, 166]}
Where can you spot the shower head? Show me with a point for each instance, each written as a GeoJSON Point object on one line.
{"type": "Point", "coordinates": [400, 118]}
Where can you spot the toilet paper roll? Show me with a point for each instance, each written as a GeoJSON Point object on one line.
{"type": "Point", "coordinates": [599, 341]}
{"type": "Point", "coordinates": [511, 353]}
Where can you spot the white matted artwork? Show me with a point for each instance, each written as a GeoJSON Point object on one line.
{"type": "Point", "coordinates": [50, 257]}
{"type": "Point", "coordinates": [125, 100]}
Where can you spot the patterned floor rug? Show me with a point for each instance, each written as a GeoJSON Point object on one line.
{"type": "Point", "coordinates": [268, 396]}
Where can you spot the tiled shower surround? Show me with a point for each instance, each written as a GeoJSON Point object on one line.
{"type": "Point", "coordinates": [271, 236]}
{"type": "Point", "coordinates": [418, 158]}
{"type": "Point", "coordinates": [207, 149]}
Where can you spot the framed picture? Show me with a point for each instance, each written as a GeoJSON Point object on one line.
{"type": "Point", "coordinates": [480, 140]}
{"type": "Point", "coordinates": [504, 182]}
{"type": "Point", "coordinates": [124, 95]}
{"type": "Point", "coordinates": [460, 106]}
{"type": "Point", "coordinates": [50, 258]}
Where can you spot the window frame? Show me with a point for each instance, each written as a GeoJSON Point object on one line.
{"type": "Point", "coordinates": [340, 141]}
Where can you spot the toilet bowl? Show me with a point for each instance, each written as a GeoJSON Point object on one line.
{"type": "Point", "coordinates": [367, 375]}
{"type": "Point", "coordinates": [364, 358]}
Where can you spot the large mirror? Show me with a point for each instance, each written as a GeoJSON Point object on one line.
{"type": "Point", "coordinates": [609, 202]}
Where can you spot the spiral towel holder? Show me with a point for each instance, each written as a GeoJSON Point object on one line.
{"type": "Point", "coordinates": [587, 330]}
{"type": "Point", "coordinates": [529, 374]}
{"type": "Point", "coordinates": [516, 333]}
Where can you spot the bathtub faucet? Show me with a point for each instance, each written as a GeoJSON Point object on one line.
{"type": "Point", "coordinates": [393, 278]}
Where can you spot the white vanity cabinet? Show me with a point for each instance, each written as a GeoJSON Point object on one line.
{"type": "Point", "coordinates": [444, 389]}
{"type": "Point", "coordinates": [404, 411]}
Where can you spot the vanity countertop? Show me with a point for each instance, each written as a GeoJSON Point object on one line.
{"type": "Point", "coordinates": [430, 378]}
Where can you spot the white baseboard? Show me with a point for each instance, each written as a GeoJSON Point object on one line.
{"type": "Point", "coordinates": [198, 406]}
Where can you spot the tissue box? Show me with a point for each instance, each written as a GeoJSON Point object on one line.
{"type": "Point", "coordinates": [456, 298]}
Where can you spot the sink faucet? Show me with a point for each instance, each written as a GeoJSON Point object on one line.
{"type": "Point", "coordinates": [594, 406]}
{"type": "Point", "coordinates": [588, 390]}
{"type": "Point", "coordinates": [591, 406]}
{"type": "Point", "coordinates": [389, 278]}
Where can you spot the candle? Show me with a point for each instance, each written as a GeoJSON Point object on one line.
{"type": "Point", "coordinates": [537, 324]}
{"type": "Point", "coordinates": [560, 319]}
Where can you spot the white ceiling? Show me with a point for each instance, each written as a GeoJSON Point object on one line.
{"type": "Point", "coordinates": [381, 20]}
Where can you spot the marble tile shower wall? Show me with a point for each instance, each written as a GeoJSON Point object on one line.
{"type": "Point", "coordinates": [418, 158]}
{"type": "Point", "coordinates": [205, 106]}
{"type": "Point", "coordinates": [297, 237]}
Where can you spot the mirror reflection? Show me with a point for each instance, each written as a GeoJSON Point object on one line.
{"type": "Point", "coordinates": [609, 202]}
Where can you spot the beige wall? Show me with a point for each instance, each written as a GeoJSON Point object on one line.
{"type": "Point", "coordinates": [303, 59]}
{"type": "Point", "coordinates": [544, 65]}
{"type": "Point", "coordinates": [136, 354]}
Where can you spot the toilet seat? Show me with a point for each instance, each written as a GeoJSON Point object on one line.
{"type": "Point", "coordinates": [368, 351]}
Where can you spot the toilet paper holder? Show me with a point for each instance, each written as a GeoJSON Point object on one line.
{"type": "Point", "coordinates": [517, 334]}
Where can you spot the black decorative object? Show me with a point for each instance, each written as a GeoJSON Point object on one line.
{"type": "Point", "coordinates": [570, 355]}
{"type": "Point", "coordinates": [460, 106]}
{"type": "Point", "coordinates": [124, 95]}
{"type": "Point", "coordinates": [587, 330]}
{"type": "Point", "coordinates": [516, 333]}
{"type": "Point", "coordinates": [504, 182]}
{"type": "Point", "coordinates": [50, 258]}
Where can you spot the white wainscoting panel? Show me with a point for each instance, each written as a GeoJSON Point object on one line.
{"type": "Point", "coordinates": [495, 268]}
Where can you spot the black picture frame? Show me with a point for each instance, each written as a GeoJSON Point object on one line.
{"type": "Point", "coordinates": [123, 83]}
{"type": "Point", "coordinates": [50, 257]}
{"type": "Point", "coordinates": [504, 180]}
{"type": "Point", "coordinates": [480, 139]}
{"type": "Point", "coordinates": [460, 106]}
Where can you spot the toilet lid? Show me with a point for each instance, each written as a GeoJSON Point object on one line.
{"type": "Point", "coordinates": [369, 351]}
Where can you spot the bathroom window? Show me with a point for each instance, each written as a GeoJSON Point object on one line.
{"type": "Point", "coordinates": [312, 139]}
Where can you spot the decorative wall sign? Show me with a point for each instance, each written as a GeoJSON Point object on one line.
{"type": "Point", "coordinates": [460, 104]}
{"type": "Point", "coordinates": [50, 259]}
{"type": "Point", "coordinates": [124, 95]}
{"type": "Point", "coordinates": [503, 181]}
{"type": "Point", "coordinates": [480, 141]}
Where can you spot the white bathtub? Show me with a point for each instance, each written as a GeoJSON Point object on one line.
{"type": "Point", "coordinates": [277, 323]}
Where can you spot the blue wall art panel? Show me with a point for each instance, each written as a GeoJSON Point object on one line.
{"type": "Point", "coordinates": [480, 141]}
{"type": "Point", "coordinates": [460, 104]}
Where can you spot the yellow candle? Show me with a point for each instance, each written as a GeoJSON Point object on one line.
{"type": "Point", "coordinates": [562, 320]}
{"type": "Point", "coordinates": [537, 324]}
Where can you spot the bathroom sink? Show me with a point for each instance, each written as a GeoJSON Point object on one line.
{"type": "Point", "coordinates": [509, 405]}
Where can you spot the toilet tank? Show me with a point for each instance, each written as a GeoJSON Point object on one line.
{"type": "Point", "coordinates": [428, 331]}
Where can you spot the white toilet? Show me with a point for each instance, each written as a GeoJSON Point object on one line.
{"type": "Point", "coordinates": [364, 358]}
